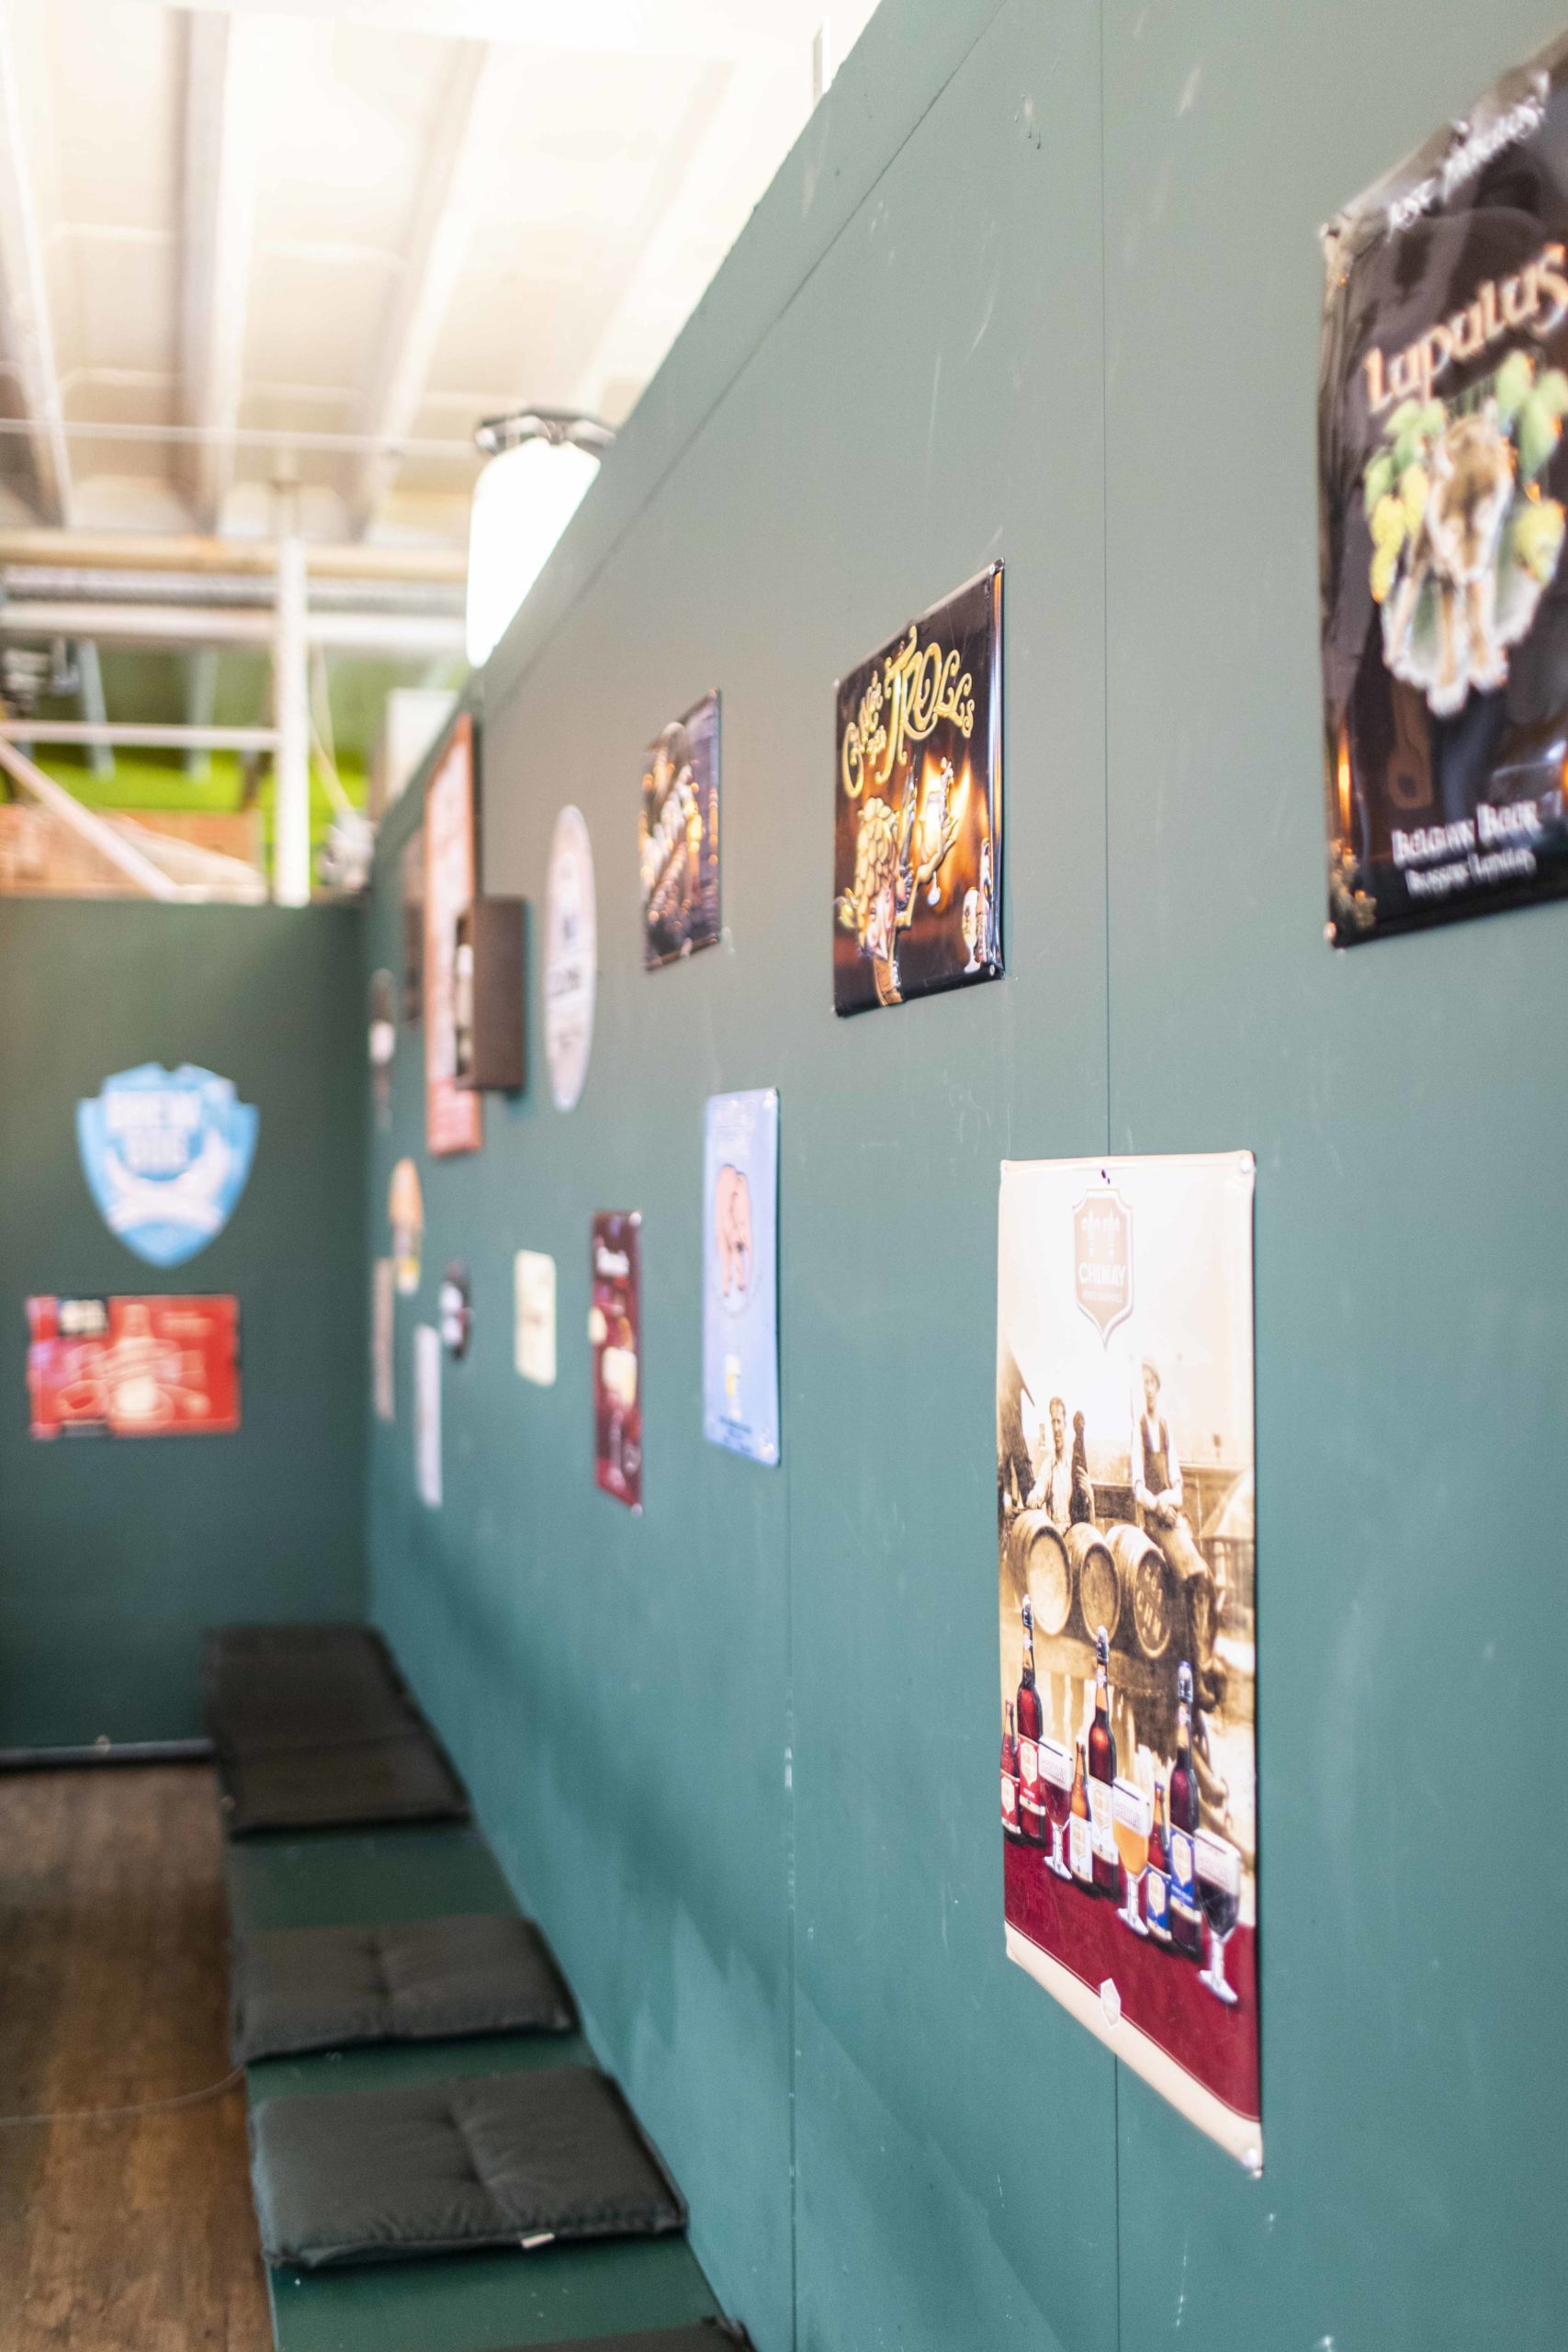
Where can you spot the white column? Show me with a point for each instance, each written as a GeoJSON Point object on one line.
{"type": "Point", "coordinates": [292, 712]}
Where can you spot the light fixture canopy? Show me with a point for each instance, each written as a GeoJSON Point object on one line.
{"type": "Point", "coordinates": [541, 462]}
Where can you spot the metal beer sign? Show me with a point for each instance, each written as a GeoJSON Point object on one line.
{"type": "Point", "coordinates": [166, 1154]}
{"type": "Point", "coordinates": [1102, 1260]}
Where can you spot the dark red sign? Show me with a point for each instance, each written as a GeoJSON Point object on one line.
{"type": "Point", "coordinates": [133, 1367]}
{"type": "Point", "coordinates": [612, 1330]}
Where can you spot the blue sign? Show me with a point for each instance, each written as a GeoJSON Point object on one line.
{"type": "Point", "coordinates": [740, 1275]}
{"type": "Point", "coordinates": [167, 1153]}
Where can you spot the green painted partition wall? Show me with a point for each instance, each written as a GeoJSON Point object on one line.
{"type": "Point", "coordinates": [116, 1553]}
{"type": "Point", "coordinates": [1040, 281]}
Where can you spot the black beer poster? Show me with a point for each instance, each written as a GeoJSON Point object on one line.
{"type": "Point", "coordinates": [1125, 1552]}
{"type": "Point", "coordinates": [678, 836]}
{"type": "Point", "coordinates": [1443, 477]}
{"type": "Point", "coordinates": [918, 801]}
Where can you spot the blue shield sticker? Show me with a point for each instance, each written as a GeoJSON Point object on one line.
{"type": "Point", "coordinates": [167, 1153]}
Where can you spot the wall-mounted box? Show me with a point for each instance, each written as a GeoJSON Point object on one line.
{"type": "Point", "coordinates": [488, 996]}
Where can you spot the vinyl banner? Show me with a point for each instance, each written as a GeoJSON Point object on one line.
{"type": "Point", "coordinates": [740, 1301]}
{"type": "Point", "coordinates": [454, 1115]}
{"type": "Point", "coordinates": [133, 1367]}
{"type": "Point", "coordinates": [614, 1319]}
{"type": "Point", "coordinates": [917, 806]}
{"type": "Point", "coordinates": [678, 836]}
{"type": "Point", "coordinates": [1442, 391]}
{"type": "Point", "coordinates": [1124, 1491]}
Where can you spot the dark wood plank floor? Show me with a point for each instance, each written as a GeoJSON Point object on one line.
{"type": "Point", "coordinates": [134, 2236]}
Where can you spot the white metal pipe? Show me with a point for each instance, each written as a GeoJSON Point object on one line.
{"type": "Point", "coordinates": [387, 633]}
{"type": "Point", "coordinates": [133, 736]}
{"type": "Point", "coordinates": [292, 712]}
{"type": "Point", "coordinates": [87, 824]}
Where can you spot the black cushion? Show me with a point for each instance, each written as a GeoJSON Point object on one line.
{"type": "Point", "coordinates": [344, 1786]}
{"type": "Point", "coordinates": [323, 1988]}
{"type": "Point", "coordinates": [302, 1686]}
{"type": "Point", "coordinates": [491, 2160]}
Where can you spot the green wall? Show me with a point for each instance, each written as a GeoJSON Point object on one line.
{"type": "Point", "coordinates": [1041, 280]}
{"type": "Point", "coordinates": [115, 1553]}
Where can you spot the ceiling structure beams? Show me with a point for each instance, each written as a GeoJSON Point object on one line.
{"type": "Point", "coordinates": [23, 297]}
{"type": "Point", "coordinates": [178, 551]}
{"type": "Point", "coordinates": [469, 122]}
{"type": "Point", "coordinates": [221, 127]}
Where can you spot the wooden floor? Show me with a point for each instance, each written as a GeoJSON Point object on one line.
{"type": "Point", "coordinates": [134, 2236]}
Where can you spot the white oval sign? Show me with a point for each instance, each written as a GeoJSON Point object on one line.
{"type": "Point", "coordinates": [570, 957]}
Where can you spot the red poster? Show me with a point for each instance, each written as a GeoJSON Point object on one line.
{"type": "Point", "coordinates": [133, 1367]}
{"type": "Point", "coordinates": [454, 1116]}
{"type": "Point", "coordinates": [613, 1327]}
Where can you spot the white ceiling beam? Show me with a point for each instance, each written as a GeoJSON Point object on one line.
{"type": "Point", "coordinates": [222, 110]}
{"type": "Point", "coordinates": [392, 634]}
{"type": "Point", "coordinates": [24, 288]}
{"type": "Point", "coordinates": [469, 121]}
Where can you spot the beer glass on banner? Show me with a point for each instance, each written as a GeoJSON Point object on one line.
{"type": "Point", "coordinates": [1056, 1773]}
{"type": "Point", "coordinates": [1131, 1818]}
{"type": "Point", "coordinates": [1217, 1866]}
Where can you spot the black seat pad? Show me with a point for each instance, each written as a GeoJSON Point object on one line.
{"type": "Point", "coordinates": [296, 1989]}
{"type": "Point", "coordinates": [302, 1686]}
{"type": "Point", "coordinates": [428, 2168]}
{"type": "Point", "coordinates": [344, 1786]}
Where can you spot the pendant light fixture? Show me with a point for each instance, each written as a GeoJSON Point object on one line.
{"type": "Point", "coordinates": [541, 462]}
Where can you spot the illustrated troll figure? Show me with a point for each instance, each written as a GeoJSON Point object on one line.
{"type": "Point", "coordinates": [1455, 549]}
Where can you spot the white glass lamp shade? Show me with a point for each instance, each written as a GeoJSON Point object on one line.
{"type": "Point", "coordinates": [522, 501]}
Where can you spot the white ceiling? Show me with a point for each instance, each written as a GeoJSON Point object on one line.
{"type": "Point", "coordinates": [299, 233]}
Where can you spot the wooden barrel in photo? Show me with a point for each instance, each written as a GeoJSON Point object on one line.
{"type": "Point", "coordinates": [1100, 1585]}
{"type": "Point", "coordinates": [1149, 1588]}
{"type": "Point", "coordinates": [1040, 1560]}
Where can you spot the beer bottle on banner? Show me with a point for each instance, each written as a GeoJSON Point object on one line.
{"type": "Point", "coordinates": [1080, 1855]}
{"type": "Point", "coordinates": [1101, 1774]}
{"type": "Point", "coordinates": [1009, 1778]}
{"type": "Point", "coordinates": [1186, 1920]}
{"type": "Point", "coordinates": [1156, 1878]}
{"type": "Point", "coordinates": [1031, 1796]}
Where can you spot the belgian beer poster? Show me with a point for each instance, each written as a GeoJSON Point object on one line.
{"type": "Point", "coordinates": [1124, 1514]}
{"type": "Point", "coordinates": [615, 1317]}
{"type": "Point", "coordinates": [454, 1115]}
{"type": "Point", "coordinates": [133, 1367]}
{"type": "Point", "coordinates": [1442, 392]}
{"type": "Point", "coordinates": [918, 802]}
{"type": "Point", "coordinates": [678, 836]}
{"type": "Point", "coordinates": [741, 1300]}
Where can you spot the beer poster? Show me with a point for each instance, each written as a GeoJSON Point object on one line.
{"type": "Point", "coordinates": [1443, 484]}
{"type": "Point", "coordinates": [678, 837]}
{"type": "Point", "coordinates": [614, 1319]}
{"type": "Point", "coordinates": [454, 1115]}
{"type": "Point", "coordinates": [1124, 1515]}
{"type": "Point", "coordinates": [133, 1367]}
{"type": "Point", "coordinates": [741, 1300]}
{"type": "Point", "coordinates": [918, 801]}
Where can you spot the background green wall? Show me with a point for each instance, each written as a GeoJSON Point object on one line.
{"type": "Point", "coordinates": [115, 1553]}
{"type": "Point", "coordinates": [1041, 280]}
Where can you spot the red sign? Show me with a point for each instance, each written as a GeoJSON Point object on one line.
{"type": "Point", "coordinates": [133, 1367]}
